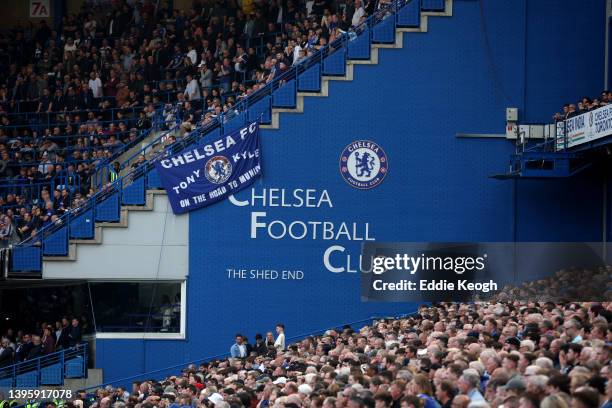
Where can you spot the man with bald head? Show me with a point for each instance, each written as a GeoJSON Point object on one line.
{"type": "Point", "coordinates": [460, 401]}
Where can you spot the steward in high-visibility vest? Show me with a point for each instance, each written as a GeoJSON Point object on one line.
{"type": "Point", "coordinates": [113, 173]}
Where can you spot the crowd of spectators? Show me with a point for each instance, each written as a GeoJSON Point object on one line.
{"type": "Point", "coordinates": [16, 347]}
{"type": "Point", "coordinates": [265, 347]}
{"type": "Point", "coordinates": [510, 355]}
{"type": "Point", "coordinates": [72, 97]}
{"type": "Point", "coordinates": [586, 104]}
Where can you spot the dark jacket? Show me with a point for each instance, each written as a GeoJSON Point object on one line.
{"type": "Point", "coordinates": [48, 345]}
{"type": "Point", "coordinates": [64, 340]}
{"type": "Point", "coordinates": [6, 357]}
{"type": "Point", "coordinates": [35, 351]}
{"type": "Point", "coordinates": [260, 348]}
{"type": "Point", "coordinates": [22, 351]}
{"type": "Point", "coordinates": [74, 336]}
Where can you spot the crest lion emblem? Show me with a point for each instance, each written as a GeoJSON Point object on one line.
{"type": "Point", "coordinates": [363, 164]}
{"type": "Point", "coordinates": [218, 169]}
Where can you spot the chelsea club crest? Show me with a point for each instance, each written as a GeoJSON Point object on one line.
{"type": "Point", "coordinates": [363, 164]}
{"type": "Point", "coordinates": [218, 169]}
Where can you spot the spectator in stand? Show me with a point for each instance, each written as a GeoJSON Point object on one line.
{"type": "Point", "coordinates": [116, 66]}
{"type": "Point", "coordinates": [6, 353]}
{"type": "Point", "coordinates": [63, 340]}
{"type": "Point", "coordinates": [75, 335]}
{"type": "Point", "coordinates": [192, 90]}
{"type": "Point", "coordinates": [24, 345]}
{"type": "Point", "coordinates": [447, 351]}
{"type": "Point", "coordinates": [358, 14]}
{"type": "Point", "coordinates": [260, 347]}
{"type": "Point", "coordinates": [270, 340]}
{"type": "Point", "coordinates": [279, 343]}
{"type": "Point", "coordinates": [48, 342]}
{"type": "Point", "coordinates": [37, 348]}
{"type": "Point", "coordinates": [239, 349]}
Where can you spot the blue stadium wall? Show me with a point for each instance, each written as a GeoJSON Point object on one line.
{"type": "Point", "coordinates": [535, 55]}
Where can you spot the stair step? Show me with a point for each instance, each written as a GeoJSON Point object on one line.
{"type": "Point", "coordinates": [70, 257]}
{"type": "Point", "coordinates": [147, 207]}
{"type": "Point", "coordinates": [97, 239]}
{"type": "Point", "coordinates": [123, 221]}
{"type": "Point", "coordinates": [149, 201]}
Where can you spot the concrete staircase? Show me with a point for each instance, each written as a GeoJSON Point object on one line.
{"type": "Point", "coordinates": [350, 69]}
{"type": "Point", "coordinates": [275, 123]}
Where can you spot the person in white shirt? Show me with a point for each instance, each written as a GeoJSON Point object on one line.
{"type": "Point", "coordinates": [358, 14]}
{"type": "Point", "coordinates": [192, 90]}
{"type": "Point", "coordinates": [95, 84]}
{"type": "Point", "coordinates": [70, 45]}
{"type": "Point", "coordinates": [279, 343]}
{"type": "Point", "coordinates": [192, 54]}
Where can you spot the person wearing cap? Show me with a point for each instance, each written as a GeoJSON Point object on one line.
{"type": "Point", "coordinates": [304, 391]}
{"type": "Point", "coordinates": [215, 398]}
{"type": "Point", "coordinates": [260, 346]}
{"type": "Point", "coordinates": [512, 343]}
{"type": "Point", "coordinates": [513, 388]}
{"type": "Point", "coordinates": [280, 381]}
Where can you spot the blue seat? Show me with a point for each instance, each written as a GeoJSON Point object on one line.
{"type": "Point", "coordinates": [83, 226]}
{"type": "Point", "coordinates": [108, 210]}
{"type": "Point", "coordinates": [75, 368]}
{"type": "Point", "coordinates": [409, 15]}
{"type": "Point", "coordinates": [27, 380]}
{"type": "Point", "coordinates": [310, 80]}
{"type": "Point", "coordinates": [384, 31]}
{"type": "Point", "coordinates": [262, 109]}
{"type": "Point", "coordinates": [335, 63]}
{"type": "Point", "coordinates": [234, 123]}
{"type": "Point", "coordinates": [359, 47]}
{"type": "Point", "coordinates": [134, 193]}
{"type": "Point", "coordinates": [6, 383]}
{"type": "Point", "coordinates": [26, 259]}
{"type": "Point", "coordinates": [56, 243]}
{"type": "Point", "coordinates": [285, 95]}
{"type": "Point", "coordinates": [153, 180]}
{"type": "Point", "coordinates": [51, 375]}
{"type": "Point", "coordinates": [432, 5]}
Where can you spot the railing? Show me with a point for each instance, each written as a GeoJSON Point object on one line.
{"type": "Point", "coordinates": [168, 370]}
{"type": "Point", "coordinates": [280, 92]}
{"type": "Point", "coordinates": [578, 130]}
{"type": "Point", "coordinates": [50, 369]}
{"type": "Point", "coordinates": [34, 119]}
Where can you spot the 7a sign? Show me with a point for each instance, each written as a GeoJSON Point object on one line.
{"type": "Point", "coordinates": [40, 8]}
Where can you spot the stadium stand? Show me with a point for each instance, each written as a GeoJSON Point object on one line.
{"type": "Point", "coordinates": [88, 109]}
{"type": "Point", "coordinates": [289, 66]}
{"type": "Point", "coordinates": [586, 104]}
{"type": "Point", "coordinates": [447, 355]}
{"type": "Point", "coordinates": [73, 101]}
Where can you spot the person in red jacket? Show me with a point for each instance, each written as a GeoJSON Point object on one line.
{"type": "Point", "coordinates": [48, 342]}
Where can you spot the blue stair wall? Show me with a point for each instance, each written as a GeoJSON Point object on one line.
{"type": "Point", "coordinates": [413, 103]}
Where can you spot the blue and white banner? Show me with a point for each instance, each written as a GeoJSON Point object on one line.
{"type": "Point", "coordinates": [201, 176]}
{"type": "Point", "coordinates": [584, 128]}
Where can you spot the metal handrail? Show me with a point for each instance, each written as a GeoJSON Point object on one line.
{"type": "Point", "coordinates": [241, 107]}
{"type": "Point", "coordinates": [61, 356]}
